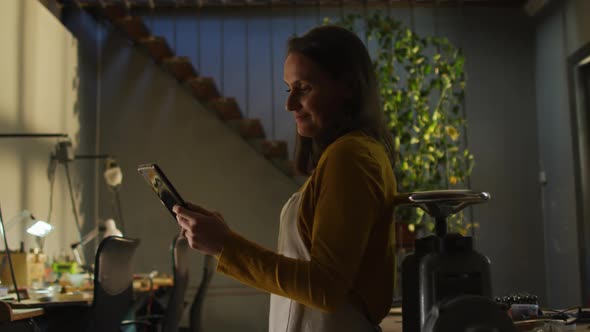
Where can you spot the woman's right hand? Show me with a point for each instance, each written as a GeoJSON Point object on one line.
{"type": "Point", "coordinates": [205, 230]}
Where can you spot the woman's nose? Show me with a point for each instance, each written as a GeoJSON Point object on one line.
{"type": "Point", "coordinates": [292, 103]}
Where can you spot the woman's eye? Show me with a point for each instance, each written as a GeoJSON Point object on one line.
{"type": "Point", "coordinates": [304, 89]}
{"type": "Point", "coordinates": [299, 90]}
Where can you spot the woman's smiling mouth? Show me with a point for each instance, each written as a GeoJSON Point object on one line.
{"type": "Point", "coordinates": [301, 117]}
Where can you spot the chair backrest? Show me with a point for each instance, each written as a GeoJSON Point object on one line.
{"type": "Point", "coordinates": [180, 264]}
{"type": "Point", "coordinates": [113, 283]}
{"type": "Point", "coordinates": [197, 306]}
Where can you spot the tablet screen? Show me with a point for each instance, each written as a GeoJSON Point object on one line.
{"type": "Point", "coordinates": [161, 186]}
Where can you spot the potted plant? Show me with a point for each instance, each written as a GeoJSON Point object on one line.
{"type": "Point", "coordinates": [422, 86]}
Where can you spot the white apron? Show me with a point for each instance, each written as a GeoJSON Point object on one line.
{"type": "Point", "coordinates": [287, 315]}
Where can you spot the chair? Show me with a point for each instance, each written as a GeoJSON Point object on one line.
{"type": "Point", "coordinates": [176, 303]}
{"type": "Point", "coordinates": [113, 284]}
{"type": "Point", "coordinates": [113, 293]}
{"type": "Point", "coordinates": [197, 306]}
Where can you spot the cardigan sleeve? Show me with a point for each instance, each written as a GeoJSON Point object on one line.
{"type": "Point", "coordinates": [348, 200]}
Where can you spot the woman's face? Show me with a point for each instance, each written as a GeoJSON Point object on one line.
{"type": "Point", "coordinates": [315, 98]}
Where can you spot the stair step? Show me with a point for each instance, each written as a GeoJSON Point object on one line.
{"type": "Point", "coordinates": [114, 12]}
{"type": "Point", "coordinates": [256, 143]}
{"type": "Point", "coordinates": [138, 3]}
{"type": "Point", "coordinates": [81, 3]}
{"type": "Point", "coordinates": [203, 88]}
{"type": "Point", "coordinates": [213, 3]}
{"type": "Point", "coordinates": [227, 108]}
{"type": "Point", "coordinates": [133, 27]}
{"type": "Point", "coordinates": [157, 3]}
{"type": "Point", "coordinates": [181, 67]}
{"type": "Point", "coordinates": [286, 166]}
{"type": "Point", "coordinates": [260, 2]}
{"type": "Point", "coordinates": [157, 47]}
{"type": "Point", "coordinates": [184, 3]}
{"type": "Point", "coordinates": [248, 128]}
{"type": "Point", "coordinates": [275, 149]}
{"type": "Point", "coordinates": [232, 3]}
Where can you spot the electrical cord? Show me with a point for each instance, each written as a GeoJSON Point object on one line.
{"type": "Point", "coordinates": [74, 210]}
{"type": "Point", "coordinates": [119, 209]}
{"type": "Point", "coordinates": [51, 176]}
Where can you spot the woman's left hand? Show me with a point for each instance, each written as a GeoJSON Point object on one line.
{"type": "Point", "coordinates": [205, 230]}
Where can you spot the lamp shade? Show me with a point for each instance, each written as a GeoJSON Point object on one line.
{"type": "Point", "coordinates": [40, 228]}
{"type": "Point", "coordinates": [24, 215]}
{"type": "Point", "coordinates": [112, 174]}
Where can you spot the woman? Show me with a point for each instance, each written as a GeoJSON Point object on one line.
{"type": "Point", "coordinates": [334, 267]}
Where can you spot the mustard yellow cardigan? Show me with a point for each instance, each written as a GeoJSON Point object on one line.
{"type": "Point", "coordinates": [345, 220]}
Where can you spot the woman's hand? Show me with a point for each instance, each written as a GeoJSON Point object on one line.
{"type": "Point", "coordinates": [205, 230]}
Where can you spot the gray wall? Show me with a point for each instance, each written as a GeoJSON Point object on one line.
{"type": "Point", "coordinates": [234, 47]}
{"type": "Point", "coordinates": [501, 115]}
{"type": "Point", "coordinates": [559, 34]}
{"type": "Point", "coordinates": [145, 116]}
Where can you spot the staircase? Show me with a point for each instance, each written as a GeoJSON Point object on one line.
{"type": "Point", "coordinates": [203, 89]}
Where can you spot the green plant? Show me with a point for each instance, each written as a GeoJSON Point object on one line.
{"type": "Point", "coordinates": [422, 84]}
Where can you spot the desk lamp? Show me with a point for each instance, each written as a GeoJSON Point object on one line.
{"type": "Point", "coordinates": [446, 285]}
{"type": "Point", "coordinates": [113, 176]}
{"type": "Point", "coordinates": [63, 155]}
{"type": "Point", "coordinates": [40, 228]}
{"type": "Point", "coordinates": [109, 229]}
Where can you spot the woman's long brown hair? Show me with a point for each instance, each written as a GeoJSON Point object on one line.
{"type": "Point", "coordinates": [343, 56]}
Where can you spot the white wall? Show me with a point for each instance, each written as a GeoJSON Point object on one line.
{"type": "Point", "coordinates": [39, 94]}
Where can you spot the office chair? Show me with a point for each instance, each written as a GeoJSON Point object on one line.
{"type": "Point", "coordinates": [176, 303]}
{"type": "Point", "coordinates": [197, 306]}
{"type": "Point", "coordinates": [113, 284]}
{"type": "Point", "coordinates": [113, 293]}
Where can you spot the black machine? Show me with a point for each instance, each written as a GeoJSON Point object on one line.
{"type": "Point", "coordinates": [446, 285]}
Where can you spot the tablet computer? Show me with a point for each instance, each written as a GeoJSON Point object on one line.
{"type": "Point", "coordinates": [160, 184]}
